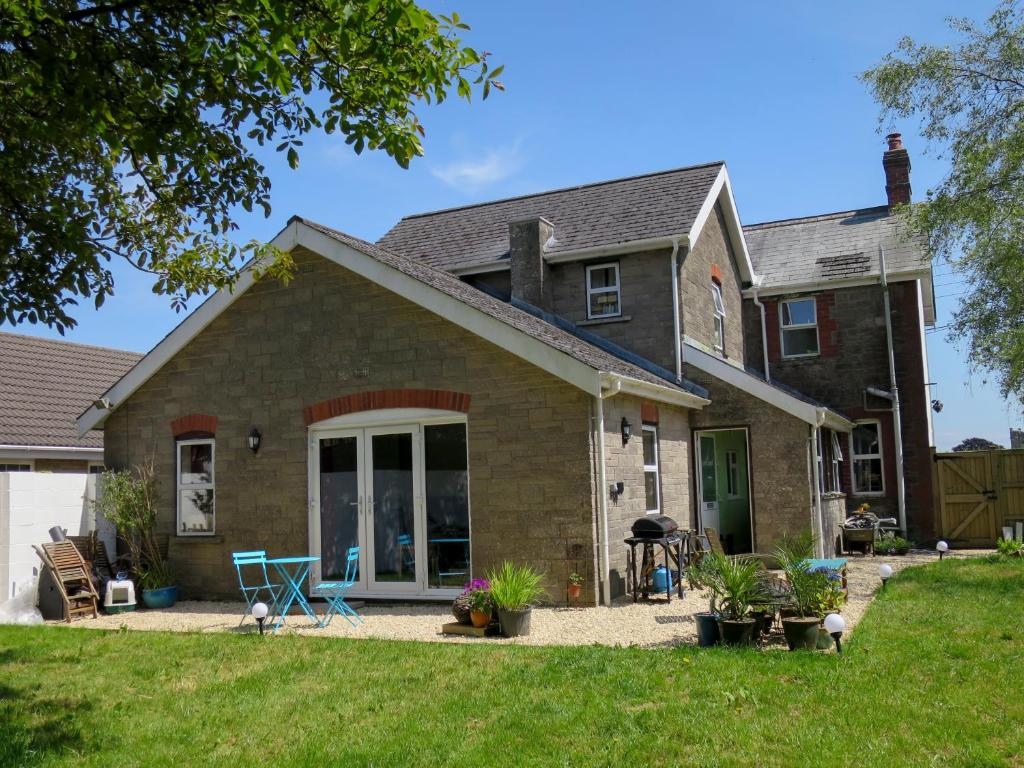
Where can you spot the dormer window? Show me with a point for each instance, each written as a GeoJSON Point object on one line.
{"type": "Point", "coordinates": [603, 294]}
{"type": "Point", "coordinates": [798, 319]}
{"type": "Point", "coordinates": [719, 307]}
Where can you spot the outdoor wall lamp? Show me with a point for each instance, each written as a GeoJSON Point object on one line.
{"type": "Point", "coordinates": [259, 612]}
{"type": "Point", "coordinates": [616, 490]}
{"type": "Point", "coordinates": [942, 548]}
{"type": "Point", "coordinates": [834, 625]}
{"type": "Point", "coordinates": [627, 430]}
{"type": "Point", "coordinates": [884, 573]}
{"type": "Point", "coordinates": [254, 440]}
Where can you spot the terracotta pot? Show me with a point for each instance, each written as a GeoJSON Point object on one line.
{"type": "Point", "coordinates": [575, 590]}
{"type": "Point", "coordinates": [479, 618]}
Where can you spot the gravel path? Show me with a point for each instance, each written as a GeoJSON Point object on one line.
{"type": "Point", "coordinates": [649, 625]}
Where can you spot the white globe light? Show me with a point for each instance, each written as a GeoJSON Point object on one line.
{"type": "Point", "coordinates": [834, 624]}
{"type": "Point", "coordinates": [885, 571]}
{"type": "Point", "coordinates": [942, 546]}
{"type": "Point", "coordinates": [260, 611]}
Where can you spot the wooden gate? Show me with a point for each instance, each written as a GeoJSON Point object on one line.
{"type": "Point", "coordinates": [978, 493]}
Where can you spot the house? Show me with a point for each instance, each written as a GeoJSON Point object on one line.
{"type": "Point", "coordinates": [517, 380]}
{"type": "Point", "coordinates": [47, 469]}
{"type": "Point", "coordinates": [834, 330]}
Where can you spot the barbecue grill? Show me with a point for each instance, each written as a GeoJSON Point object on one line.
{"type": "Point", "coordinates": [654, 527]}
{"type": "Point", "coordinates": [649, 532]}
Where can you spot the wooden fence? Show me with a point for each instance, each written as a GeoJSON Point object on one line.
{"type": "Point", "coordinates": [978, 493]}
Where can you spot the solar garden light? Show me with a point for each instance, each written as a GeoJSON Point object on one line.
{"type": "Point", "coordinates": [834, 625]}
{"type": "Point", "coordinates": [884, 573]}
{"type": "Point", "coordinates": [942, 548]}
{"type": "Point", "coordinates": [259, 612]}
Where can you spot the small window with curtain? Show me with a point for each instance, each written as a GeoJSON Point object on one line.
{"type": "Point", "coordinates": [603, 293]}
{"type": "Point", "coordinates": [719, 308]}
{"type": "Point", "coordinates": [652, 480]}
{"type": "Point", "coordinates": [866, 458]}
{"type": "Point", "coordinates": [799, 327]}
{"type": "Point", "coordinates": [195, 487]}
{"type": "Point", "coordinates": [837, 456]}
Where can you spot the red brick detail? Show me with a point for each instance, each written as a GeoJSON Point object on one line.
{"type": "Point", "coordinates": [771, 329]}
{"type": "Point", "coordinates": [194, 422]}
{"type": "Point", "coordinates": [716, 273]}
{"type": "Point", "coordinates": [387, 398]}
{"type": "Point", "coordinates": [648, 413]}
{"type": "Point", "coordinates": [828, 336]}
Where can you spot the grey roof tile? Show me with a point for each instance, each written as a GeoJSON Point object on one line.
{"type": "Point", "coordinates": [560, 338]}
{"type": "Point", "coordinates": [46, 384]}
{"type": "Point", "coordinates": [605, 213]}
{"type": "Point", "coordinates": [832, 246]}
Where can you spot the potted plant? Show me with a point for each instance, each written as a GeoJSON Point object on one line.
{"type": "Point", "coordinates": [703, 575]}
{"type": "Point", "coordinates": [575, 585]}
{"type": "Point", "coordinates": [128, 499]}
{"type": "Point", "coordinates": [481, 606]}
{"type": "Point", "coordinates": [801, 628]}
{"type": "Point", "coordinates": [891, 544]}
{"type": "Point", "coordinates": [739, 586]}
{"type": "Point", "coordinates": [515, 589]}
{"type": "Point", "coordinates": [830, 600]}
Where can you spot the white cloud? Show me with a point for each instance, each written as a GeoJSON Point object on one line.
{"type": "Point", "coordinates": [496, 165]}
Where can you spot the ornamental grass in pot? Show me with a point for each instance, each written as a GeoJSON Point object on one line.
{"type": "Point", "coordinates": [808, 586]}
{"type": "Point", "coordinates": [739, 588]}
{"type": "Point", "coordinates": [515, 589]}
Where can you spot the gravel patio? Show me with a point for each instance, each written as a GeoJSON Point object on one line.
{"type": "Point", "coordinates": [645, 624]}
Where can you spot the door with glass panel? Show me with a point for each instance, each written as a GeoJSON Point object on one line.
{"type": "Point", "coordinates": [399, 492]}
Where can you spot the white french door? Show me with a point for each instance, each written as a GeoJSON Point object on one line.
{"type": "Point", "coordinates": [398, 492]}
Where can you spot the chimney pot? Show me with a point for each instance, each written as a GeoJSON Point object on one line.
{"type": "Point", "coordinates": [895, 140]}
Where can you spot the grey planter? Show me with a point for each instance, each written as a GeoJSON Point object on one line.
{"type": "Point", "coordinates": [514, 623]}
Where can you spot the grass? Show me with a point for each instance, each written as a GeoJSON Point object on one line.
{"type": "Point", "coordinates": [933, 675]}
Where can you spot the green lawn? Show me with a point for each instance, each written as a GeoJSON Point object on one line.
{"type": "Point", "coordinates": [933, 676]}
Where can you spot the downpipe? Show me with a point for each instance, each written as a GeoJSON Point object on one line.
{"type": "Point", "coordinates": [676, 320]}
{"type": "Point", "coordinates": [897, 421]}
{"type": "Point", "coordinates": [764, 330]}
{"type": "Point", "coordinates": [817, 525]}
{"type": "Point", "coordinates": [605, 595]}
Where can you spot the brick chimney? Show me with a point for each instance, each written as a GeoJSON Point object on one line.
{"type": "Point", "coordinates": [896, 163]}
{"type": "Point", "coordinates": [530, 278]}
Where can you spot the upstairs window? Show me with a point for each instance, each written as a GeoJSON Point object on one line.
{"type": "Point", "coordinates": [866, 458]}
{"type": "Point", "coordinates": [603, 294]}
{"type": "Point", "coordinates": [799, 323]}
{"type": "Point", "coordinates": [195, 487]}
{"type": "Point", "coordinates": [719, 307]}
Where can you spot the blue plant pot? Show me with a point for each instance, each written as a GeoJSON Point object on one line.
{"type": "Point", "coordinates": [164, 597]}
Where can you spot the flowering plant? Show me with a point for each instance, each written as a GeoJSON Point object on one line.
{"type": "Point", "coordinates": [478, 592]}
{"type": "Point", "coordinates": [863, 508]}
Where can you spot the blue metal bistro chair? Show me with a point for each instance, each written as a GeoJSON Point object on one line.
{"type": "Point", "coordinates": [334, 591]}
{"type": "Point", "coordinates": [255, 566]}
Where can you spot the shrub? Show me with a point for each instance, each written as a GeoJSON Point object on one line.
{"type": "Point", "coordinates": [891, 544]}
{"type": "Point", "coordinates": [1010, 547]}
{"type": "Point", "coordinates": [515, 587]}
{"type": "Point", "coordinates": [739, 585]}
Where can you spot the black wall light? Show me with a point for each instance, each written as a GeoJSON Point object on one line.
{"type": "Point", "coordinates": [254, 440]}
{"type": "Point", "coordinates": [627, 430]}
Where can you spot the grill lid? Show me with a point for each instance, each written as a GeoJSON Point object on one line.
{"type": "Point", "coordinates": [654, 526]}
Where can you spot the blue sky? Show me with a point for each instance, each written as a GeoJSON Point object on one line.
{"type": "Point", "coordinates": [597, 90]}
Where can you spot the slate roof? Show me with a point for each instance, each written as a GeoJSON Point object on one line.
{"type": "Point", "coordinates": [529, 320]}
{"type": "Point", "coordinates": [45, 384]}
{"type": "Point", "coordinates": [832, 246]}
{"type": "Point", "coordinates": [604, 213]}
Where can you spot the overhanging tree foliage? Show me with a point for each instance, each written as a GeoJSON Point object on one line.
{"type": "Point", "coordinates": [970, 100]}
{"type": "Point", "coordinates": [976, 444]}
{"type": "Point", "coordinates": [127, 129]}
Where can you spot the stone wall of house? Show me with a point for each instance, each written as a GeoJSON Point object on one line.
{"type": "Point", "coordinates": [780, 471]}
{"type": "Point", "coordinates": [833, 513]}
{"type": "Point", "coordinates": [854, 356]}
{"type": "Point", "coordinates": [330, 333]}
{"type": "Point", "coordinates": [626, 463]}
{"type": "Point", "coordinates": [645, 326]}
{"type": "Point", "coordinates": [712, 257]}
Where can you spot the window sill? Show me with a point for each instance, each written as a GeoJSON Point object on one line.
{"type": "Point", "coordinates": [833, 495]}
{"type": "Point", "coordinates": [199, 538]}
{"type": "Point", "coordinates": [603, 320]}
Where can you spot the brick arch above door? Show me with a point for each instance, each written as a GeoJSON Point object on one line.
{"type": "Point", "coordinates": [440, 399]}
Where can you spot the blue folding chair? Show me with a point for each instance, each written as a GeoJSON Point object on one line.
{"type": "Point", "coordinates": [334, 591]}
{"type": "Point", "coordinates": [255, 564]}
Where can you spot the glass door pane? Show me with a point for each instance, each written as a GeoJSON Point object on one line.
{"type": "Point", "coordinates": [339, 503]}
{"type": "Point", "coordinates": [447, 491]}
{"type": "Point", "coordinates": [393, 497]}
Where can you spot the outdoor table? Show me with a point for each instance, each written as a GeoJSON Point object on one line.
{"type": "Point", "coordinates": [291, 586]}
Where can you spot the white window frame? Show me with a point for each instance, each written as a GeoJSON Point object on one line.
{"type": "Point", "coordinates": [210, 486]}
{"type": "Point", "coordinates": [28, 464]}
{"type": "Point", "coordinates": [855, 457]}
{"type": "Point", "coordinates": [718, 305]}
{"type": "Point", "coordinates": [617, 290]}
{"type": "Point", "coordinates": [732, 473]}
{"type": "Point", "coordinates": [837, 456]}
{"type": "Point", "coordinates": [798, 326]}
{"type": "Point", "coordinates": [652, 468]}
